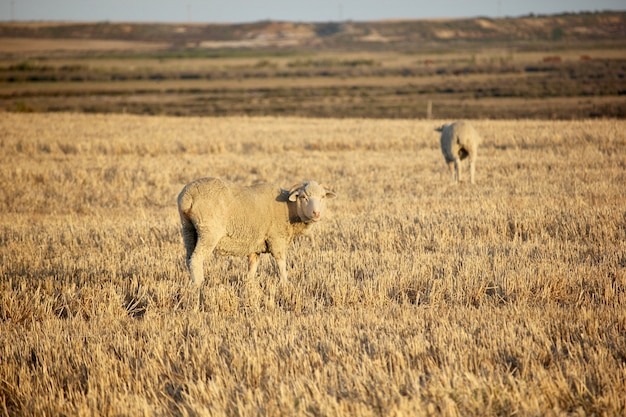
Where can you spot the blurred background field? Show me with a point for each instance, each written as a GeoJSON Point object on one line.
{"type": "Point", "coordinates": [419, 297]}
{"type": "Point", "coordinates": [562, 67]}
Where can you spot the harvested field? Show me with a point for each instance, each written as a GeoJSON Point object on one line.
{"type": "Point", "coordinates": [419, 297]}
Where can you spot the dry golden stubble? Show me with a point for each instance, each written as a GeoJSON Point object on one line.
{"type": "Point", "coordinates": [417, 296]}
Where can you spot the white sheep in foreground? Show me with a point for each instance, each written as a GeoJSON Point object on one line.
{"type": "Point", "coordinates": [459, 140]}
{"type": "Point", "coordinates": [230, 219]}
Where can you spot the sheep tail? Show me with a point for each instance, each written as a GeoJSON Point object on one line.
{"type": "Point", "coordinates": [185, 202]}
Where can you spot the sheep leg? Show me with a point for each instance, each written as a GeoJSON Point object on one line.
{"type": "Point", "coordinates": [452, 168]}
{"type": "Point", "coordinates": [194, 258]}
{"type": "Point", "coordinates": [281, 262]}
{"type": "Point", "coordinates": [204, 247]}
{"type": "Point", "coordinates": [253, 263]}
{"type": "Point", "coordinates": [190, 237]}
{"type": "Point", "coordinates": [472, 170]}
{"type": "Point", "coordinates": [196, 267]}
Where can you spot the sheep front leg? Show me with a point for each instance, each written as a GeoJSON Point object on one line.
{"type": "Point", "coordinates": [472, 170]}
{"type": "Point", "coordinates": [281, 262]}
{"type": "Point", "coordinates": [253, 264]}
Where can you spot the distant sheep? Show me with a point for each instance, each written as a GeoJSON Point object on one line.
{"type": "Point", "coordinates": [230, 219]}
{"type": "Point", "coordinates": [459, 141]}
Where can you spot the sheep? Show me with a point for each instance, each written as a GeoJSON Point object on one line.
{"type": "Point", "coordinates": [218, 215]}
{"type": "Point", "coordinates": [459, 140]}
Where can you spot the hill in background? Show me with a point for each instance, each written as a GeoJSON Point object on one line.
{"type": "Point", "coordinates": [396, 34]}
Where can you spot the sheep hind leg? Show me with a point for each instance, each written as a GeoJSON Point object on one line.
{"type": "Point", "coordinates": [192, 258]}
{"type": "Point", "coordinates": [452, 168]}
{"type": "Point", "coordinates": [190, 237]}
{"type": "Point", "coordinates": [196, 268]}
{"type": "Point", "coordinates": [204, 247]}
{"type": "Point", "coordinates": [456, 175]}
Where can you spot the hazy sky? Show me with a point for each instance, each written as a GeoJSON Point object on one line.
{"type": "Point", "coordinates": [235, 11]}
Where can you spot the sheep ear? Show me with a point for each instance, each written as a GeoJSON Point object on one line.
{"type": "Point", "coordinates": [295, 187]}
{"type": "Point", "coordinates": [439, 128]}
{"type": "Point", "coordinates": [329, 194]}
{"type": "Point", "coordinates": [294, 191]}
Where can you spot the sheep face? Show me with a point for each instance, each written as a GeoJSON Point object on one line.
{"type": "Point", "coordinates": [309, 198]}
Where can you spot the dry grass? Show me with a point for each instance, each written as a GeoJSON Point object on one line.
{"type": "Point", "coordinates": [419, 298]}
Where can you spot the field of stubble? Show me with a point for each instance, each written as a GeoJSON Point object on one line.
{"type": "Point", "coordinates": [417, 296]}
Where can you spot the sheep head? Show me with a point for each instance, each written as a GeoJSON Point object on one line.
{"type": "Point", "coordinates": [309, 198]}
